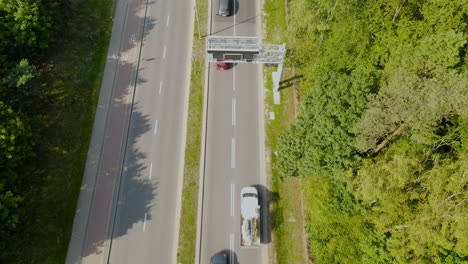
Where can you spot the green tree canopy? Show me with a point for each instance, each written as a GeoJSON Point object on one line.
{"type": "Point", "coordinates": [15, 138]}
{"type": "Point", "coordinates": [18, 87]}
{"type": "Point", "coordinates": [390, 76]}
{"type": "Point", "coordinates": [8, 210]}
{"type": "Point", "coordinates": [419, 203]}
{"type": "Point", "coordinates": [416, 102]}
{"type": "Point", "coordinates": [25, 26]}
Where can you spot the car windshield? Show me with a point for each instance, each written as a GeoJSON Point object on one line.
{"type": "Point", "coordinates": [219, 258]}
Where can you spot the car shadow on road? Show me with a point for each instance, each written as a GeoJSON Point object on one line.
{"type": "Point", "coordinates": [235, 8]}
{"type": "Point", "coordinates": [224, 256]}
{"type": "Point", "coordinates": [265, 199]}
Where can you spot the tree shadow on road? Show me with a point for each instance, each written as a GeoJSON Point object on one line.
{"type": "Point", "coordinates": [115, 185]}
{"type": "Point", "coordinates": [123, 200]}
{"type": "Point", "coordinates": [136, 188]}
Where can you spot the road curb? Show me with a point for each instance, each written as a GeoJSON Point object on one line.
{"type": "Point", "coordinates": [201, 181]}
{"type": "Point", "coordinates": [83, 208]}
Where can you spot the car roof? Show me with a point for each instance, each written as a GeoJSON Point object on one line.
{"type": "Point", "coordinates": [219, 258]}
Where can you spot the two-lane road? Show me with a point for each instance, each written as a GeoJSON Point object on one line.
{"type": "Point", "coordinates": [128, 211]}
{"type": "Point", "coordinates": [233, 148]}
{"type": "Point", "coordinates": [146, 220]}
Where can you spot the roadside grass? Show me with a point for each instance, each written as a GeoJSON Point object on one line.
{"type": "Point", "coordinates": [290, 242]}
{"type": "Point", "coordinates": [188, 218]}
{"type": "Point", "coordinates": [71, 74]}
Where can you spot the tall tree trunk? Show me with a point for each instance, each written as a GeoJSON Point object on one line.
{"type": "Point", "coordinates": [381, 145]}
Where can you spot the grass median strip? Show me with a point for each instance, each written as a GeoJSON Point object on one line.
{"type": "Point", "coordinates": [188, 219]}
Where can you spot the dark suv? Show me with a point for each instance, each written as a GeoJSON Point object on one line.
{"type": "Point", "coordinates": [224, 7]}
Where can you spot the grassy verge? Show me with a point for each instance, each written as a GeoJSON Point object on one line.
{"type": "Point", "coordinates": [72, 76]}
{"type": "Point", "coordinates": [288, 219]}
{"type": "Point", "coordinates": [188, 219]}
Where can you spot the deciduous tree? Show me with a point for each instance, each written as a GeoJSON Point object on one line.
{"type": "Point", "coordinates": [15, 138]}
{"type": "Point", "coordinates": [25, 26]}
{"type": "Point", "coordinates": [19, 89]}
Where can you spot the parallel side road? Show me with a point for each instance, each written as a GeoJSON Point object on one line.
{"type": "Point", "coordinates": [233, 153]}
{"type": "Point", "coordinates": [146, 222]}
{"type": "Point", "coordinates": [128, 211]}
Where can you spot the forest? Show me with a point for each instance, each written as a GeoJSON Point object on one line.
{"type": "Point", "coordinates": [381, 138]}
{"type": "Point", "coordinates": [51, 56]}
{"type": "Point", "coordinates": [26, 28]}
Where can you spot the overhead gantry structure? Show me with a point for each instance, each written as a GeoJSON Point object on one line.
{"type": "Point", "coordinates": [236, 49]}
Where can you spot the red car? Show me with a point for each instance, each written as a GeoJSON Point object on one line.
{"type": "Point", "coordinates": [222, 66]}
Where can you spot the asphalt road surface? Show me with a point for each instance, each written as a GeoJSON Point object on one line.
{"type": "Point", "coordinates": [128, 211]}
{"type": "Point", "coordinates": [146, 221]}
{"type": "Point", "coordinates": [233, 143]}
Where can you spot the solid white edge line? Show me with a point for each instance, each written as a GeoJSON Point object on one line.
{"type": "Point", "coordinates": [233, 153]}
{"type": "Point", "coordinates": [234, 26]}
{"type": "Point", "coordinates": [234, 70]}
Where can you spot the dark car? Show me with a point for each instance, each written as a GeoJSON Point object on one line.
{"type": "Point", "coordinates": [224, 7]}
{"type": "Point", "coordinates": [220, 258]}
